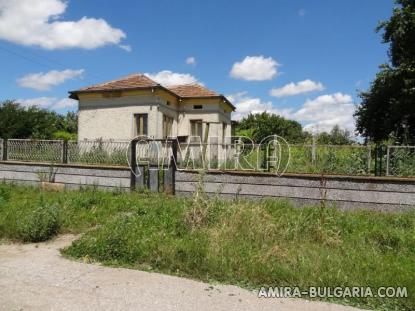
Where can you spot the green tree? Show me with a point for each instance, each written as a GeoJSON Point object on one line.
{"type": "Point", "coordinates": [259, 126]}
{"type": "Point", "coordinates": [336, 136]}
{"type": "Point", "coordinates": [17, 121]}
{"type": "Point", "coordinates": [387, 110]}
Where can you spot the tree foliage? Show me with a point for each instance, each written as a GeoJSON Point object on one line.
{"type": "Point", "coordinates": [17, 121]}
{"type": "Point", "coordinates": [387, 110]}
{"type": "Point", "coordinates": [259, 126]}
{"type": "Point", "coordinates": [336, 136]}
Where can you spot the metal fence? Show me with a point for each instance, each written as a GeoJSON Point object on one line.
{"type": "Point", "coordinates": [35, 150]}
{"type": "Point", "coordinates": [98, 152]}
{"type": "Point", "coordinates": [328, 159]}
{"type": "Point", "coordinates": [331, 159]}
{"type": "Point", "coordinates": [400, 161]}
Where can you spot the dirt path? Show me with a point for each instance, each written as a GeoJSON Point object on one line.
{"type": "Point", "coordinates": [36, 277]}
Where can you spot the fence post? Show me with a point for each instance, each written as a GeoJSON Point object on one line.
{"type": "Point", "coordinates": [379, 153]}
{"type": "Point", "coordinates": [173, 165]}
{"type": "Point", "coordinates": [5, 150]}
{"type": "Point", "coordinates": [369, 159]}
{"type": "Point", "coordinates": [65, 152]}
{"type": "Point", "coordinates": [133, 163]}
{"type": "Point", "coordinates": [387, 160]}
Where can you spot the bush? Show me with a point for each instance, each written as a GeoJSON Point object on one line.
{"type": "Point", "coordinates": [63, 135]}
{"type": "Point", "coordinates": [39, 225]}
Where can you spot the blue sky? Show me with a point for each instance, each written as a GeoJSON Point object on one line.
{"type": "Point", "coordinates": [242, 49]}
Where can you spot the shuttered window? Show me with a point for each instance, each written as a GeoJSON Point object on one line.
{"type": "Point", "coordinates": [141, 124]}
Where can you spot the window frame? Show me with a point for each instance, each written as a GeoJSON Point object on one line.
{"type": "Point", "coordinates": [137, 126]}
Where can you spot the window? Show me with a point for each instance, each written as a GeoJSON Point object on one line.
{"type": "Point", "coordinates": [141, 124]}
{"type": "Point", "coordinates": [196, 128]}
{"type": "Point", "coordinates": [197, 107]}
{"type": "Point", "coordinates": [167, 126]}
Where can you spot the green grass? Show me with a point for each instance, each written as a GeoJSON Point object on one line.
{"type": "Point", "coordinates": [253, 244]}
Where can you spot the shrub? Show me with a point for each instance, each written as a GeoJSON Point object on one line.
{"type": "Point", "coordinates": [39, 225]}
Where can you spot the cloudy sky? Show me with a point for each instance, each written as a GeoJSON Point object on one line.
{"type": "Point", "coordinates": [302, 59]}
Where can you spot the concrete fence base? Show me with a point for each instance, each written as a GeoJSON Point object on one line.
{"type": "Point", "coordinates": [72, 176]}
{"type": "Point", "coordinates": [346, 192]}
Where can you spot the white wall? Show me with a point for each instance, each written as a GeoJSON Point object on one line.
{"type": "Point", "coordinates": [113, 118]}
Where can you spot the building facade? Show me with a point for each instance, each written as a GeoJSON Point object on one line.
{"type": "Point", "coordinates": [136, 105]}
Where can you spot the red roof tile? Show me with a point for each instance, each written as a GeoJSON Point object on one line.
{"type": "Point", "coordinates": [133, 81]}
{"type": "Point", "coordinates": [192, 90]}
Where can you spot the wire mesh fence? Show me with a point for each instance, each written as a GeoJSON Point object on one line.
{"type": "Point", "coordinates": [98, 152]}
{"type": "Point", "coordinates": [238, 155]}
{"type": "Point", "coordinates": [331, 159]}
{"type": "Point", "coordinates": [400, 161]}
{"type": "Point", "coordinates": [35, 150]}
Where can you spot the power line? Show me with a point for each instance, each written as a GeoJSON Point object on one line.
{"type": "Point", "coordinates": [20, 55]}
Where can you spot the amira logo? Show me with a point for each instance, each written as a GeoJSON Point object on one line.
{"type": "Point", "coordinates": [240, 153]}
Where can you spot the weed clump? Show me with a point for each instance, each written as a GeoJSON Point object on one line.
{"type": "Point", "coordinates": [39, 225]}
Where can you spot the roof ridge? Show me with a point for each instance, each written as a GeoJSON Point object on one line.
{"type": "Point", "coordinates": [136, 74]}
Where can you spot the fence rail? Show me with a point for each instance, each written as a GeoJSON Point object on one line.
{"type": "Point", "coordinates": [328, 159]}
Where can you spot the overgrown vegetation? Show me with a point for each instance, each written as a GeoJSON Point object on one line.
{"type": "Point", "coordinates": [253, 244]}
{"type": "Point", "coordinates": [32, 122]}
{"type": "Point", "coordinates": [39, 225]}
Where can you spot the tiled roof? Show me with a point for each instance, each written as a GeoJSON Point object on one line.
{"type": "Point", "coordinates": [129, 82]}
{"type": "Point", "coordinates": [140, 81]}
{"type": "Point", "coordinates": [192, 90]}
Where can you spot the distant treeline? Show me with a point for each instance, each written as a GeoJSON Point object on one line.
{"type": "Point", "coordinates": [17, 121]}
{"type": "Point", "coordinates": [259, 126]}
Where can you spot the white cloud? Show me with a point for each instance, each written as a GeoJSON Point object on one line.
{"type": "Point", "coordinates": [49, 103]}
{"type": "Point", "coordinates": [191, 60]}
{"type": "Point", "coordinates": [167, 78]}
{"type": "Point", "coordinates": [321, 113]}
{"type": "Point", "coordinates": [126, 48]}
{"type": "Point", "coordinates": [326, 111]}
{"type": "Point", "coordinates": [41, 102]}
{"type": "Point", "coordinates": [255, 68]}
{"type": "Point", "coordinates": [301, 12]}
{"type": "Point", "coordinates": [39, 23]}
{"type": "Point", "coordinates": [65, 103]}
{"type": "Point", "coordinates": [301, 87]}
{"type": "Point", "coordinates": [45, 81]}
{"type": "Point", "coordinates": [245, 105]}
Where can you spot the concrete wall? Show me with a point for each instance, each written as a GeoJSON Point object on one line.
{"type": "Point", "coordinates": [378, 193]}
{"type": "Point", "coordinates": [73, 176]}
{"type": "Point", "coordinates": [347, 192]}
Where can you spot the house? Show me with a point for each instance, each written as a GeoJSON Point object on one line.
{"type": "Point", "coordinates": [136, 105]}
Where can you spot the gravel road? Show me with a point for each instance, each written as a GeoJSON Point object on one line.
{"type": "Point", "coordinates": [36, 277]}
